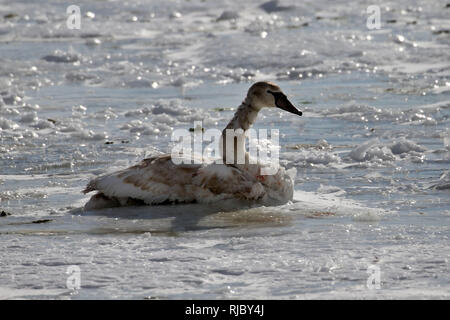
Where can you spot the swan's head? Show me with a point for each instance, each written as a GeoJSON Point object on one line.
{"type": "Point", "coordinates": [269, 95]}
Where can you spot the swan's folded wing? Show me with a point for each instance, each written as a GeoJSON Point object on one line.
{"type": "Point", "coordinates": [221, 179]}
{"type": "Point", "coordinates": [158, 179]}
{"type": "Point", "coordinates": [154, 180]}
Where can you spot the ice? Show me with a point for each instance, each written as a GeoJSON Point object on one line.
{"type": "Point", "coordinates": [305, 157]}
{"type": "Point", "coordinates": [90, 135]}
{"type": "Point", "coordinates": [330, 189]}
{"type": "Point", "coordinates": [61, 57]}
{"type": "Point", "coordinates": [404, 146]}
{"type": "Point", "coordinates": [29, 117]}
{"type": "Point", "coordinates": [7, 124]}
{"type": "Point", "coordinates": [228, 15]}
{"type": "Point", "coordinates": [443, 183]}
{"type": "Point", "coordinates": [360, 153]}
{"type": "Point", "coordinates": [376, 150]}
{"type": "Point", "coordinates": [274, 6]}
{"type": "Point", "coordinates": [43, 124]}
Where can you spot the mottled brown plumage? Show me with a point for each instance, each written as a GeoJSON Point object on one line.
{"type": "Point", "coordinates": [158, 180]}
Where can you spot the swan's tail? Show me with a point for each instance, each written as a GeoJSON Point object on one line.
{"type": "Point", "coordinates": [92, 186]}
{"type": "Point", "coordinates": [100, 201]}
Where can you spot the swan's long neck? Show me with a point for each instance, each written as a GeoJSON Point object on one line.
{"type": "Point", "coordinates": [243, 119]}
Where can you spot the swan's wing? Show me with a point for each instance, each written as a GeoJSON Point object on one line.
{"type": "Point", "coordinates": [153, 180]}
{"type": "Point", "coordinates": [221, 179]}
{"type": "Point", "coordinates": [158, 179]}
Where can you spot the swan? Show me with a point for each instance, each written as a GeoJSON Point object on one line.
{"type": "Point", "coordinates": [158, 179]}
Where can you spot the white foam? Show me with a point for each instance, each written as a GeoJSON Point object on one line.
{"type": "Point", "coordinates": [310, 202]}
{"type": "Point", "coordinates": [6, 124]}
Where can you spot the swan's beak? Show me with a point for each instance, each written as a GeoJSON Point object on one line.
{"type": "Point", "coordinates": [282, 102]}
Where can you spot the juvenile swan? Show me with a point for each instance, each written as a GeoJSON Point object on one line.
{"type": "Point", "coordinates": [159, 180]}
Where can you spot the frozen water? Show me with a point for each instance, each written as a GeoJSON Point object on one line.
{"type": "Point", "coordinates": [371, 151]}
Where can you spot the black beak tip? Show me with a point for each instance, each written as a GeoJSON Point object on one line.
{"type": "Point", "coordinates": [283, 103]}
